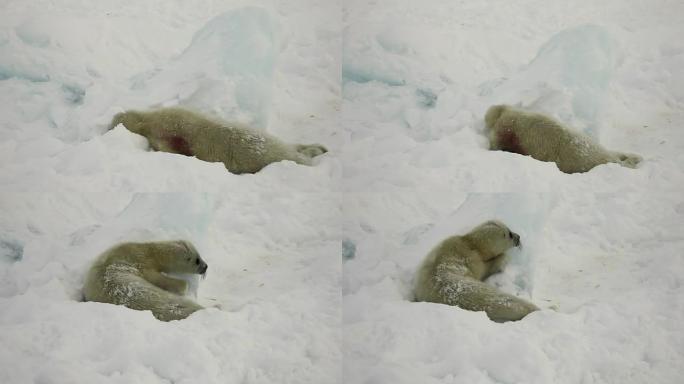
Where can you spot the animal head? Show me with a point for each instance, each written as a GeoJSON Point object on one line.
{"type": "Point", "coordinates": [493, 238]}
{"type": "Point", "coordinates": [132, 120]}
{"type": "Point", "coordinates": [493, 114]}
{"type": "Point", "coordinates": [179, 256]}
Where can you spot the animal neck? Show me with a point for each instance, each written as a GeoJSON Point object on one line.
{"type": "Point", "coordinates": [139, 128]}
{"type": "Point", "coordinates": [152, 259]}
{"type": "Point", "coordinates": [476, 242]}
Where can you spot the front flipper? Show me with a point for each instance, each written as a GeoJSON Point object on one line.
{"type": "Point", "coordinates": [495, 265]}
{"type": "Point", "coordinates": [166, 283]}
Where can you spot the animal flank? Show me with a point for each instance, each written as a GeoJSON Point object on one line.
{"type": "Point", "coordinates": [180, 145]}
{"type": "Point", "coordinates": [509, 141]}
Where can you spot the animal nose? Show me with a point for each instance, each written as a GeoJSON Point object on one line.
{"type": "Point", "coordinates": [516, 239]}
{"type": "Point", "coordinates": [203, 269]}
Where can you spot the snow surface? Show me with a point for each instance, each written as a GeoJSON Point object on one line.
{"type": "Point", "coordinates": [602, 251]}
{"type": "Point", "coordinates": [70, 190]}
{"type": "Point", "coordinates": [310, 268]}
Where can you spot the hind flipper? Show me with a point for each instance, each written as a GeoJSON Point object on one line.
{"type": "Point", "coordinates": [628, 160]}
{"type": "Point", "coordinates": [166, 283]}
{"type": "Point", "coordinates": [311, 150]}
{"type": "Point", "coordinates": [474, 295]}
{"type": "Point", "coordinates": [505, 307]}
{"type": "Point", "coordinates": [174, 308]}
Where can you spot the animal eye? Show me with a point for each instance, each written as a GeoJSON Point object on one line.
{"type": "Point", "coordinates": [197, 261]}
{"type": "Point", "coordinates": [510, 235]}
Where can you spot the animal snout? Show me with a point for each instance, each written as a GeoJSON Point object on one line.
{"type": "Point", "coordinates": [516, 239]}
{"type": "Point", "coordinates": [203, 268]}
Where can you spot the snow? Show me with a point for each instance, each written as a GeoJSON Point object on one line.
{"type": "Point", "coordinates": [602, 251]}
{"type": "Point", "coordinates": [311, 268]}
{"type": "Point", "coordinates": [71, 189]}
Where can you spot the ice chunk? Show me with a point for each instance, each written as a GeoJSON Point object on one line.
{"type": "Point", "coordinates": [568, 78]}
{"type": "Point", "coordinates": [583, 56]}
{"type": "Point", "coordinates": [239, 41]}
{"type": "Point", "coordinates": [522, 213]}
{"type": "Point", "coordinates": [167, 215]}
{"type": "Point", "coordinates": [227, 69]}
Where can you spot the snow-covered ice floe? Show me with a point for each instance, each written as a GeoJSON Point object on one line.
{"type": "Point", "coordinates": [311, 269]}
{"type": "Point", "coordinates": [70, 189]}
{"type": "Point", "coordinates": [601, 251]}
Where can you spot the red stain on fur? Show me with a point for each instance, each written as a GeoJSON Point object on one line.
{"type": "Point", "coordinates": [179, 145]}
{"type": "Point", "coordinates": [508, 141]}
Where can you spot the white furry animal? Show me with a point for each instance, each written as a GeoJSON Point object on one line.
{"type": "Point", "coordinates": [452, 273]}
{"type": "Point", "coordinates": [241, 149]}
{"type": "Point", "coordinates": [134, 275]}
{"type": "Point", "coordinates": [527, 133]}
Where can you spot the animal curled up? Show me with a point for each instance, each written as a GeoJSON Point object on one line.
{"type": "Point", "coordinates": [135, 275]}
{"type": "Point", "coordinates": [453, 271]}
{"type": "Point", "coordinates": [543, 138]}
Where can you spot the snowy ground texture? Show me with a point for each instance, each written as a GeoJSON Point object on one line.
{"type": "Point", "coordinates": [397, 91]}
{"type": "Point", "coordinates": [70, 190]}
{"type": "Point", "coordinates": [603, 251]}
